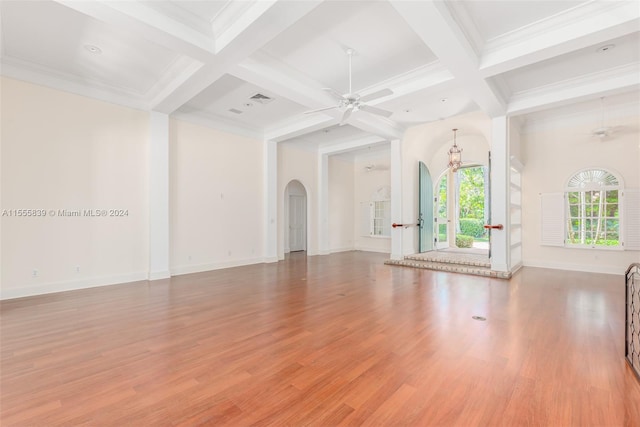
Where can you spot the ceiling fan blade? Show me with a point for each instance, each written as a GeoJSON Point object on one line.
{"type": "Point", "coordinates": [320, 109]}
{"type": "Point", "coordinates": [376, 95]}
{"type": "Point", "coordinates": [375, 110]}
{"type": "Point", "coordinates": [346, 115]}
{"type": "Point", "coordinates": [337, 95]}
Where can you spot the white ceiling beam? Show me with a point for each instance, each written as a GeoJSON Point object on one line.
{"type": "Point", "coordinates": [263, 28]}
{"type": "Point", "coordinates": [433, 23]}
{"type": "Point", "coordinates": [251, 11]}
{"type": "Point", "coordinates": [350, 145]}
{"type": "Point", "coordinates": [275, 76]}
{"type": "Point", "coordinates": [258, 24]}
{"type": "Point", "coordinates": [586, 25]}
{"type": "Point", "coordinates": [606, 83]}
{"type": "Point", "coordinates": [298, 126]}
{"type": "Point", "coordinates": [431, 76]}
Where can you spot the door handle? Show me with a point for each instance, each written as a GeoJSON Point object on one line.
{"type": "Point", "coordinates": [494, 227]}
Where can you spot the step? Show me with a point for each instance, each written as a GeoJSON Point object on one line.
{"type": "Point", "coordinates": [451, 268]}
{"type": "Point", "coordinates": [452, 258]}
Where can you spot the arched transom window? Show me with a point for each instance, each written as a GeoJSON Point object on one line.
{"type": "Point", "coordinates": [593, 208]}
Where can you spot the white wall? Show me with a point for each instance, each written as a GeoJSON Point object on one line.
{"type": "Point", "coordinates": [367, 184]}
{"type": "Point", "coordinates": [302, 165]}
{"type": "Point", "coordinates": [341, 207]}
{"type": "Point", "coordinates": [63, 151]}
{"type": "Point", "coordinates": [216, 198]}
{"type": "Point", "coordinates": [552, 156]}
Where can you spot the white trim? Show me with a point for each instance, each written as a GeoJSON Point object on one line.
{"type": "Point", "coordinates": [583, 88]}
{"type": "Point", "coordinates": [57, 80]}
{"type": "Point", "coordinates": [71, 285]}
{"type": "Point", "coordinates": [345, 249]}
{"type": "Point", "coordinates": [199, 268]}
{"type": "Point", "coordinates": [516, 268]}
{"type": "Point", "coordinates": [619, 186]}
{"type": "Point", "coordinates": [370, 249]}
{"type": "Point", "coordinates": [159, 275]}
{"type": "Point", "coordinates": [218, 123]}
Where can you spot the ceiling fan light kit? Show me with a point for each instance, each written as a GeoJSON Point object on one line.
{"type": "Point", "coordinates": [352, 102]}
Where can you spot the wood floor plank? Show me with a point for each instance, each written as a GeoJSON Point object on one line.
{"type": "Point", "coordinates": [322, 341]}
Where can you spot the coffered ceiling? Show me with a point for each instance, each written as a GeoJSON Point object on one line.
{"type": "Point", "coordinates": [256, 67]}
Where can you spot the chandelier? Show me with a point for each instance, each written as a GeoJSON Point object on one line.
{"type": "Point", "coordinates": [455, 154]}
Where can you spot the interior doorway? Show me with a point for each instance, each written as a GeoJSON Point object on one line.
{"type": "Point", "coordinates": [296, 221]}
{"type": "Point", "coordinates": [462, 209]}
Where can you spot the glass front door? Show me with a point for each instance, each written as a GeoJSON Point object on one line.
{"type": "Point", "coordinates": [442, 216]}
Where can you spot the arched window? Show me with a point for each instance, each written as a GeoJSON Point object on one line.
{"type": "Point", "coordinates": [593, 208]}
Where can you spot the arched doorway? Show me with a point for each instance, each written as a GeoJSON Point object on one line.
{"type": "Point", "coordinates": [295, 197]}
{"type": "Point", "coordinates": [462, 208]}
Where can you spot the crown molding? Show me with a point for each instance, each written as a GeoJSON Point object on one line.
{"type": "Point", "coordinates": [215, 122]}
{"type": "Point", "coordinates": [467, 25]}
{"type": "Point", "coordinates": [579, 27]}
{"type": "Point", "coordinates": [607, 82]}
{"type": "Point", "coordinates": [37, 74]}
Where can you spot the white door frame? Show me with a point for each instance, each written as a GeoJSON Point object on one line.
{"type": "Point", "coordinates": [295, 188]}
{"type": "Point", "coordinates": [299, 222]}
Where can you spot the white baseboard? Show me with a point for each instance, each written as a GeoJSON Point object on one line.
{"type": "Point", "coordinates": [369, 249]}
{"type": "Point", "coordinates": [587, 268]}
{"type": "Point", "coordinates": [199, 268]}
{"type": "Point", "coordinates": [499, 267]}
{"type": "Point", "coordinates": [270, 259]}
{"type": "Point", "coordinates": [159, 275]}
{"type": "Point", "coordinates": [71, 285]}
{"type": "Point", "coordinates": [337, 250]}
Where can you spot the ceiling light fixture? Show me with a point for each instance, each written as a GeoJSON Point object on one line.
{"type": "Point", "coordinates": [93, 49]}
{"type": "Point", "coordinates": [443, 100]}
{"type": "Point", "coordinates": [455, 154]}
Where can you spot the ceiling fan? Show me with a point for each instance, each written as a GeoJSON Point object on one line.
{"type": "Point", "coordinates": [603, 132]}
{"type": "Point", "coordinates": [352, 102]}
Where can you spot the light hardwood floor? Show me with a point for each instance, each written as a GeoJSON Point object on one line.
{"type": "Point", "coordinates": [326, 340]}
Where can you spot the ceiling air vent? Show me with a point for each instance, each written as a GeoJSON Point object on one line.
{"type": "Point", "coordinates": [262, 99]}
{"type": "Point", "coordinates": [233, 110]}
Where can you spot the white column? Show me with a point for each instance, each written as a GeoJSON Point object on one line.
{"type": "Point", "coordinates": [159, 197]}
{"type": "Point", "coordinates": [500, 193]}
{"type": "Point", "coordinates": [270, 201]}
{"type": "Point", "coordinates": [323, 204]}
{"type": "Point", "coordinates": [397, 234]}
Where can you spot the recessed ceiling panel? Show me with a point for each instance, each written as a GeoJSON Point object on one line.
{"type": "Point", "coordinates": [198, 15]}
{"type": "Point", "coordinates": [495, 18]}
{"type": "Point", "coordinates": [206, 10]}
{"type": "Point", "coordinates": [61, 40]}
{"type": "Point", "coordinates": [385, 45]}
{"type": "Point", "coordinates": [235, 99]}
{"type": "Point", "coordinates": [626, 50]}
{"type": "Point", "coordinates": [428, 105]}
